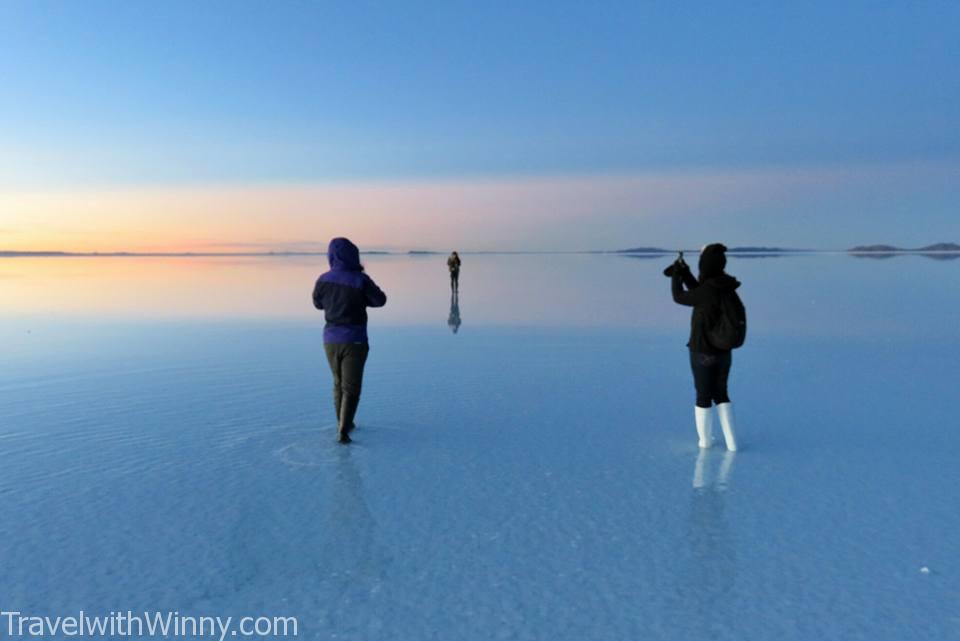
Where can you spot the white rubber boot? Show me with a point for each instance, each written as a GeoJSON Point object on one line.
{"type": "Point", "coordinates": [725, 410]}
{"type": "Point", "coordinates": [704, 418]}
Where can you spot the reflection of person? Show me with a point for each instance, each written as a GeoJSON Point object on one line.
{"type": "Point", "coordinates": [709, 566]}
{"type": "Point", "coordinates": [350, 562]}
{"type": "Point", "coordinates": [711, 366]}
{"type": "Point", "coordinates": [320, 533]}
{"type": "Point", "coordinates": [344, 293]}
{"type": "Point", "coordinates": [453, 263]}
{"type": "Point", "coordinates": [453, 321]}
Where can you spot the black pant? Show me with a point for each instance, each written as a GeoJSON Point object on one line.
{"type": "Point", "coordinates": [710, 373]}
{"type": "Point", "coordinates": [346, 363]}
{"type": "Point", "coordinates": [455, 279]}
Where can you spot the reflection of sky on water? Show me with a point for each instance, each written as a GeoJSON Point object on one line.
{"type": "Point", "coordinates": [826, 294]}
{"type": "Point", "coordinates": [535, 476]}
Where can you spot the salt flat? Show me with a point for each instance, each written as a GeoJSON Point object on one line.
{"type": "Point", "coordinates": [534, 476]}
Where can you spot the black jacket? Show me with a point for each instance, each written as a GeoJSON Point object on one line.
{"type": "Point", "coordinates": [704, 297]}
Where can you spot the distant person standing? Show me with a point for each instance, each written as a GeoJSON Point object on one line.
{"type": "Point", "coordinates": [344, 293]}
{"type": "Point", "coordinates": [717, 325]}
{"type": "Point", "coordinates": [453, 264]}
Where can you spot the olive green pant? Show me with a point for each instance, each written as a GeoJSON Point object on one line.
{"type": "Point", "coordinates": [346, 364]}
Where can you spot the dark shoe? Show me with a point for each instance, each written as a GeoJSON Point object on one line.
{"type": "Point", "coordinates": [344, 438]}
{"type": "Point", "coordinates": [351, 427]}
{"type": "Point", "coordinates": [347, 411]}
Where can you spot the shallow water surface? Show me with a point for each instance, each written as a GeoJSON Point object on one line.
{"type": "Point", "coordinates": [166, 443]}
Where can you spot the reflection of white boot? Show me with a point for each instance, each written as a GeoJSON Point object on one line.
{"type": "Point", "coordinates": [725, 410]}
{"type": "Point", "coordinates": [723, 477]}
{"type": "Point", "coordinates": [700, 471]}
{"type": "Point", "coordinates": [702, 477]}
{"type": "Point", "coordinates": [704, 418]}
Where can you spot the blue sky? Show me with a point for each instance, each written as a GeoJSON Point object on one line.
{"type": "Point", "coordinates": [106, 96]}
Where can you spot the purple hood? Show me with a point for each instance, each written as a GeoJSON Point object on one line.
{"type": "Point", "coordinates": [344, 256]}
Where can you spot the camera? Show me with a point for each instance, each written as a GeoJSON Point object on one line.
{"type": "Point", "coordinates": [678, 263]}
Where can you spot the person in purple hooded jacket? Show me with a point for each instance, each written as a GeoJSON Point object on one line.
{"type": "Point", "coordinates": [344, 293]}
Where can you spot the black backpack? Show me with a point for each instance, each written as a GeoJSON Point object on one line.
{"type": "Point", "coordinates": [729, 330]}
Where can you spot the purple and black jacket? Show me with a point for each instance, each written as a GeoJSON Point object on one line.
{"type": "Point", "coordinates": [344, 293]}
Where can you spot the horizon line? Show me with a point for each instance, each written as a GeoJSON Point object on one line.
{"type": "Point", "coordinates": [654, 251]}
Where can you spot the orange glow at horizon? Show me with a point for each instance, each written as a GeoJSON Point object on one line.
{"type": "Point", "coordinates": [477, 215]}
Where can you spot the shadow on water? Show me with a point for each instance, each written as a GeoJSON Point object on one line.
{"type": "Point", "coordinates": [453, 320]}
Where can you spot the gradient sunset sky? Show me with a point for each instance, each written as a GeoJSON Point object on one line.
{"type": "Point", "coordinates": [224, 126]}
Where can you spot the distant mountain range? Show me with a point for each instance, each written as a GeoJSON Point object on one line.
{"type": "Point", "coordinates": [891, 249]}
{"type": "Point", "coordinates": [28, 254]}
{"type": "Point", "coordinates": [644, 250]}
{"type": "Point", "coordinates": [937, 248]}
{"type": "Point", "coordinates": [13, 253]}
{"type": "Point", "coordinates": [730, 250]}
{"type": "Point", "coordinates": [938, 251]}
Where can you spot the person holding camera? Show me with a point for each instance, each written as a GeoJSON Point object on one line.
{"type": "Point", "coordinates": [717, 325]}
{"type": "Point", "coordinates": [453, 264]}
